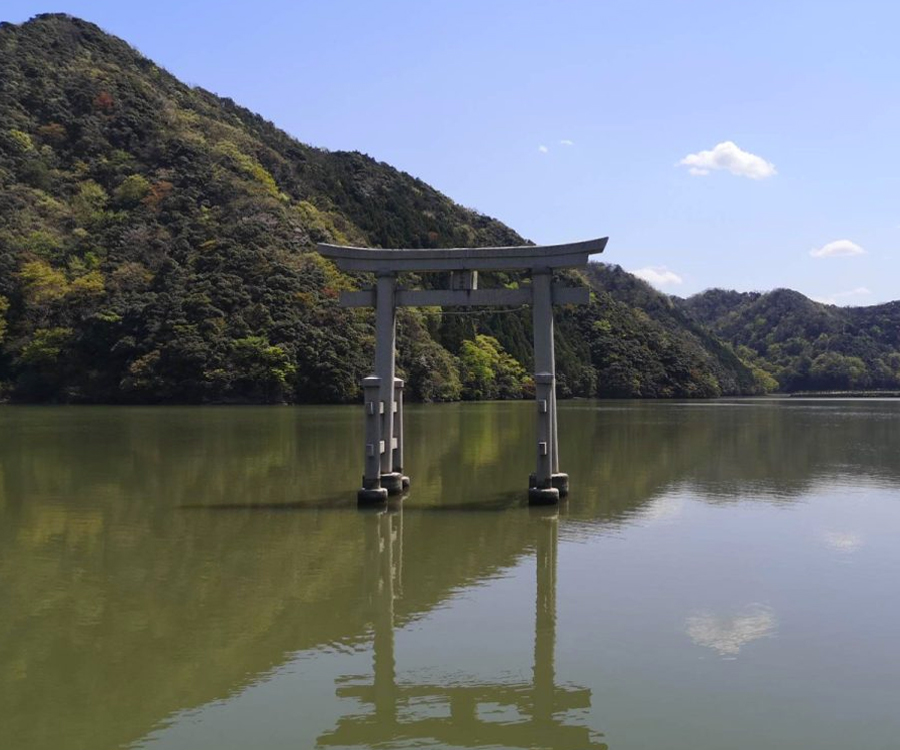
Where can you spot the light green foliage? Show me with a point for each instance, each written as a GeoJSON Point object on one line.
{"type": "Point", "coordinates": [333, 280]}
{"type": "Point", "coordinates": [89, 202]}
{"type": "Point", "coordinates": [22, 140]}
{"type": "Point", "coordinates": [90, 284]}
{"type": "Point", "coordinates": [43, 243]}
{"type": "Point", "coordinates": [132, 191]}
{"type": "Point", "coordinates": [487, 371]}
{"type": "Point", "coordinates": [43, 283]}
{"type": "Point", "coordinates": [892, 361]}
{"type": "Point", "coordinates": [765, 382]}
{"type": "Point", "coordinates": [320, 224]}
{"type": "Point", "coordinates": [248, 165]}
{"type": "Point", "coordinates": [476, 367]}
{"type": "Point", "coordinates": [838, 372]}
{"type": "Point", "coordinates": [804, 344]}
{"type": "Point", "coordinates": [45, 346]}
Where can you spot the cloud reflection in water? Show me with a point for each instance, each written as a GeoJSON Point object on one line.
{"type": "Point", "coordinates": [728, 635]}
{"type": "Point", "coordinates": [843, 541]}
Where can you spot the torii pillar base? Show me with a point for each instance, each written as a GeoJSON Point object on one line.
{"type": "Point", "coordinates": [557, 481]}
{"type": "Point", "coordinates": [543, 496]}
{"type": "Point", "coordinates": [374, 496]}
{"type": "Point", "coordinates": [394, 482]}
{"type": "Point", "coordinates": [387, 485]}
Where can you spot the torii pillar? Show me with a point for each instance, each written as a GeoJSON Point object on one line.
{"type": "Point", "coordinates": [547, 484]}
{"type": "Point", "coordinates": [383, 391]}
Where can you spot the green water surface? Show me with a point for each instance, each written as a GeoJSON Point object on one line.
{"type": "Point", "coordinates": [725, 575]}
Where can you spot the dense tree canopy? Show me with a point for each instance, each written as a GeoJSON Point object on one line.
{"type": "Point", "coordinates": [806, 345]}
{"type": "Point", "coordinates": [156, 245]}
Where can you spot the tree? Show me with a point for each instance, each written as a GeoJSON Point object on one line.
{"type": "Point", "coordinates": [43, 283]}
{"type": "Point", "coordinates": [260, 370]}
{"type": "Point", "coordinates": [833, 371]}
{"type": "Point", "coordinates": [89, 202]}
{"type": "Point", "coordinates": [131, 191]}
{"type": "Point", "coordinates": [41, 371]}
{"type": "Point", "coordinates": [487, 371]}
{"type": "Point", "coordinates": [4, 308]}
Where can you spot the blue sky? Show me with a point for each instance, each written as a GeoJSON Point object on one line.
{"type": "Point", "coordinates": [571, 120]}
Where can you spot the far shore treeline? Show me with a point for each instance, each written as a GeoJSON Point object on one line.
{"type": "Point", "coordinates": [157, 246]}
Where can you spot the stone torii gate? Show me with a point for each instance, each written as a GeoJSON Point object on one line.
{"type": "Point", "coordinates": [383, 392]}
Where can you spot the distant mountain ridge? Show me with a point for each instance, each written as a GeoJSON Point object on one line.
{"type": "Point", "coordinates": [804, 344]}
{"type": "Point", "coordinates": [156, 246]}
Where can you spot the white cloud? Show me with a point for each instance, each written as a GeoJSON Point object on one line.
{"type": "Point", "coordinates": [838, 297]}
{"type": "Point", "coordinates": [728, 635]}
{"type": "Point", "coordinates": [837, 249]}
{"type": "Point", "coordinates": [543, 149]}
{"type": "Point", "coordinates": [566, 142]}
{"type": "Point", "coordinates": [727, 155]}
{"type": "Point", "coordinates": [658, 276]}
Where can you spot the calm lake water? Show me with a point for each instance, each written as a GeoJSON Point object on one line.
{"type": "Point", "coordinates": [724, 576]}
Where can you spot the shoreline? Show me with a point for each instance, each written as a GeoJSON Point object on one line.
{"type": "Point", "coordinates": [844, 394]}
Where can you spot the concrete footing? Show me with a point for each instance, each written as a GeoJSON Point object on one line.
{"type": "Point", "coordinates": [559, 481]}
{"type": "Point", "coordinates": [543, 496]}
{"type": "Point", "coordinates": [393, 482]}
{"type": "Point", "coordinates": [377, 493]}
{"type": "Point", "coordinates": [372, 496]}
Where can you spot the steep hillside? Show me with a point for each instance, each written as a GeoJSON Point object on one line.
{"type": "Point", "coordinates": [645, 345]}
{"type": "Point", "coordinates": [156, 246]}
{"type": "Point", "coordinates": [804, 344]}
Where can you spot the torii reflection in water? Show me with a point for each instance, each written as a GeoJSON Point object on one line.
{"type": "Point", "coordinates": [542, 705]}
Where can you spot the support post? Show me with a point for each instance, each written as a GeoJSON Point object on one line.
{"type": "Point", "coordinates": [372, 491]}
{"type": "Point", "coordinates": [558, 479]}
{"type": "Point", "coordinates": [541, 491]}
{"type": "Point", "coordinates": [554, 440]}
{"type": "Point", "coordinates": [385, 348]}
{"type": "Point", "coordinates": [398, 432]}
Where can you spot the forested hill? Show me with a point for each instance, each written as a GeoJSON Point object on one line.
{"type": "Point", "coordinates": [806, 345]}
{"type": "Point", "coordinates": [156, 245]}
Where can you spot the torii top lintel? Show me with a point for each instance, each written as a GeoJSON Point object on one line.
{"type": "Point", "coordinates": [463, 258]}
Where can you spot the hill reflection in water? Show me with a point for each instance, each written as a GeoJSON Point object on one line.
{"type": "Point", "coordinates": [154, 561]}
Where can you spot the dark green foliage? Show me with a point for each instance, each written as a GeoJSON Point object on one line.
{"type": "Point", "coordinates": [643, 345]}
{"type": "Point", "coordinates": [156, 246]}
{"type": "Point", "coordinates": [431, 372]}
{"type": "Point", "coordinates": [806, 345]}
